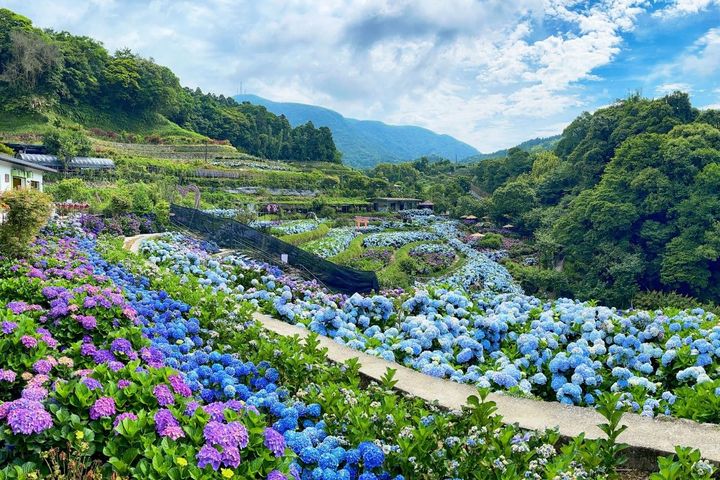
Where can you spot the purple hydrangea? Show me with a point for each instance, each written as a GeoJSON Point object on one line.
{"type": "Point", "coordinates": [123, 383]}
{"type": "Point", "coordinates": [26, 416]}
{"type": "Point", "coordinates": [179, 385]}
{"type": "Point", "coordinates": [7, 375]}
{"type": "Point", "coordinates": [8, 327]}
{"type": "Point", "coordinates": [88, 349]}
{"type": "Point", "coordinates": [43, 366]}
{"type": "Point", "coordinates": [35, 393]}
{"type": "Point", "coordinates": [91, 383]}
{"type": "Point", "coordinates": [28, 341]}
{"type": "Point", "coordinates": [103, 356]}
{"type": "Point", "coordinates": [163, 395]}
{"type": "Point", "coordinates": [275, 442]}
{"type": "Point", "coordinates": [231, 457]}
{"type": "Point", "coordinates": [21, 307]}
{"type": "Point", "coordinates": [103, 407]}
{"type": "Point", "coordinates": [88, 322]}
{"type": "Point", "coordinates": [167, 425]}
{"type": "Point", "coordinates": [191, 407]}
{"type": "Point", "coordinates": [122, 345]}
{"type": "Point", "coordinates": [208, 455]}
{"type": "Point", "coordinates": [276, 475]}
{"type": "Point", "coordinates": [216, 410]}
{"type": "Point", "coordinates": [239, 433]}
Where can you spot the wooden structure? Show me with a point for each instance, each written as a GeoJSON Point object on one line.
{"type": "Point", "coordinates": [361, 222]}
{"type": "Point", "coordinates": [426, 205]}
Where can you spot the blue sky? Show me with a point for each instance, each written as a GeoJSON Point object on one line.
{"type": "Point", "coordinates": [492, 73]}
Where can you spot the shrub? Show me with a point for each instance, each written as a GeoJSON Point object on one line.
{"type": "Point", "coordinates": [6, 150]}
{"type": "Point", "coordinates": [28, 211]}
{"type": "Point", "coordinates": [490, 240]}
{"type": "Point", "coordinates": [653, 300]}
{"type": "Point", "coordinates": [67, 143]}
{"type": "Point", "coordinates": [304, 237]}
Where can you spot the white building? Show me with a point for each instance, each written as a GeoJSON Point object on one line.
{"type": "Point", "coordinates": [17, 173]}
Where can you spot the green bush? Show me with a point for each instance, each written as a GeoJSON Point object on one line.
{"type": "Point", "coordinates": [539, 281]}
{"type": "Point", "coordinates": [490, 240]}
{"type": "Point", "coordinates": [6, 150]}
{"type": "Point", "coordinates": [28, 211]}
{"type": "Point", "coordinates": [653, 300]}
{"type": "Point", "coordinates": [304, 237]}
{"type": "Point", "coordinates": [67, 143]}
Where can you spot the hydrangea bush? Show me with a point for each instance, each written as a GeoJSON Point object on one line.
{"type": "Point", "coordinates": [475, 326]}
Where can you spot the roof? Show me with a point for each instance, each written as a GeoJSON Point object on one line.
{"type": "Point", "coordinates": [391, 199]}
{"type": "Point", "coordinates": [24, 163]}
{"type": "Point", "coordinates": [75, 162]}
{"type": "Point", "coordinates": [426, 202]}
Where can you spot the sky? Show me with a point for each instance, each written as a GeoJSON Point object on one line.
{"type": "Point", "coordinates": [492, 73]}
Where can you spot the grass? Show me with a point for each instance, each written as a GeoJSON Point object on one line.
{"type": "Point", "coordinates": [355, 249]}
{"type": "Point", "coordinates": [394, 276]}
{"type": "Point", "coordinates": [304, 237]}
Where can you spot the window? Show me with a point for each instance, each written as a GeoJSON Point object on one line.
{"type": "Point", "coordinates": [7, 178]}
{"type": "Point", "coordinates": [34, 184]}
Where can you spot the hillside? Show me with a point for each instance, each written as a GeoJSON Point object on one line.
{"type": "Point", "coordinates": [365, 143]}
{"type": "Point", "coordinates": [626, 202]}
{"type": "Point", "coordinates": [59, 80]}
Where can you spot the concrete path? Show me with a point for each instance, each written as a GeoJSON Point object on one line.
{"type": "Point", "coordinates": [647, 437]}
{"type": "Point", "coordinates": [133, 243]}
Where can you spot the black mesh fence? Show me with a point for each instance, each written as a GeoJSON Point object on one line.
{"type": "Point", "coordinates": [229, 233]}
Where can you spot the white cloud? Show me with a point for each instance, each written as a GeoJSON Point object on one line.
{"type": "Point", "coordinates": [484, 72]}
{"type": "Point", "coordinates": [666, 88]}
{"type": "Point", "coordinates": [680, 8]}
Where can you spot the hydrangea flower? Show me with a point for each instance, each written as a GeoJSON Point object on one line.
{"type": "Point", "coordinates": [103, 407]}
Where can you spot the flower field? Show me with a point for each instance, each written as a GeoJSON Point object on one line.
{"type": "Point", "coordinates": [112, 367]}
{"type": "Point", "coordinates": [475, 326]}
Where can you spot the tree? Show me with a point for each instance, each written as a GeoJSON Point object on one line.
{"type": "Point", "coordinates": [28, 211]}
{"type": "Point", "coordinates": [66, 144]}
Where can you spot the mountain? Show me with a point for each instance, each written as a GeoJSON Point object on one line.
{"type": "Point", "coordinates": [365, 143]}
{"type": "Point", "coordinates": [544, 143]}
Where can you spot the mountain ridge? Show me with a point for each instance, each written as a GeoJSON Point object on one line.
{"type": "Point", "coordinates": [365, 143]}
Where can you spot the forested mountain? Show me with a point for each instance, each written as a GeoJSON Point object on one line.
{"type": "Point", "coordinates": [627, 201]}
{"type": "Point", "coordinates": [49, 73]}
{"type": "Point", "coordinates": [533, 145]}
{"type": "Point", "coordinates": [365, 143]}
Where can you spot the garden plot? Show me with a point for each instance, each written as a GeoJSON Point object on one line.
{"type": "Point", "coordinates": [475, 326]}
{"type": "Point", "coordinates": [154, 369]}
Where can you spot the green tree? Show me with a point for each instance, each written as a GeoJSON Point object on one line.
{"type": "Point", "coordinates": [67, 144]}
{"type": "Point", "coordinates": [28, 210]}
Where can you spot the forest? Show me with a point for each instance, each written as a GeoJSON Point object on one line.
{"type": "Point", "coordinates": [45, 71]}
{"type": "Point", "coordinates": [625, 203]}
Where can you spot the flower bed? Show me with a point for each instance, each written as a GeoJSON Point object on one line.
{"type": "Point", "coordinates": [122, 225]}
{"type": "Point", "coordinates": [372, 259]}
{"type": "Point", "coordinates": [397, 239]}
{"type": "Point", "coordinates": [223, 212]}
{"type": "Point", "coordinates": [293, 227]}
{"type": "Point", "coordinates": [100, 362]}
{"type": "Point", "coordinates": [429, 258]}
{"type": "Point", "coordinates": [336, 241]}
{"type": "Point", "coordinates": [483, 330]}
